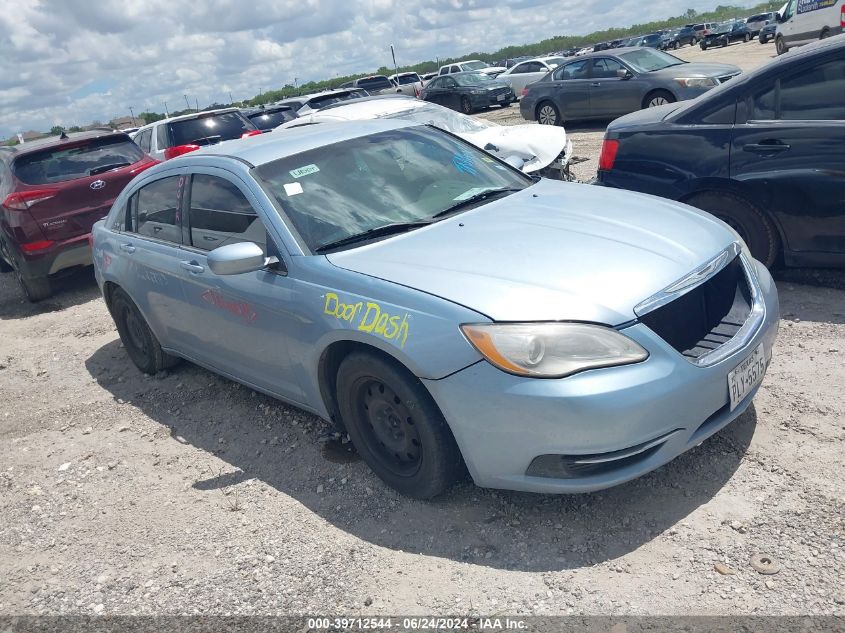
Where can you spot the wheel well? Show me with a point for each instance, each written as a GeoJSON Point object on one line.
{"type": "Point", "coordinates": [108, 291]}
{"type": "Point", "coordinates": [651, 93]}
{"type": "Point", "coordinates": [327, 368]}
{"type": "Point", "coordinates": [540, 105]}
{"type": "Point", "coordinates": [739, 194]}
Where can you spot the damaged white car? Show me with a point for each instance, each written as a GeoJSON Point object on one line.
{"type": "Point", "coordinates": [535, 149]}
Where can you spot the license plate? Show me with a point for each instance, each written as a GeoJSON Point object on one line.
{"type": "Point", "coordinates": [747, 375]}
{"type": "Point", "coordinates": [500, 98]}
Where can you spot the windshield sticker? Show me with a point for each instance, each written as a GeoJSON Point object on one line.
{"type": "Point", "coordinates": [304, 171]}
{"type": "Point", "coordinates": [369, 317]}
{"type": "Point", "coordinates": [465, 163]}
{"type": "Point", "coordinates": [293, 188]}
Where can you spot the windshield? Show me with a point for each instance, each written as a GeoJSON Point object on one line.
{"type": "Point", "coordinates": [404, 80]}
{"type": "Point", "coordinates": [553, 62]}
{"type": "Point", "coordinates": [721, 28]}
{"type": "Point", "coordinates": [473, 65]}
{"type": "Point", "coordinates": [472, 79]}
{"type": "Point", "coordinates": [374, 83]}
{"type": "Point", "coordinates": [648, 59]}
{"type": "Point", "coordinates": [449, 120]}
{"type": "Point", "coordinates": [210, 128]}
{"type": "Point", "coordinates": [405, 175]}
{"type": "Point", "coordinates": [59, 164]}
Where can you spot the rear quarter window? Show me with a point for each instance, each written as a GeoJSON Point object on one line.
{"type": "Point", "coordinates": [60, 164]}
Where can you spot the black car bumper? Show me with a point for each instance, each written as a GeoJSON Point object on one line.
{"type": "Point", "coordinates": [59, 256]}
{"type": "Point", "coordinates": [485, 101]}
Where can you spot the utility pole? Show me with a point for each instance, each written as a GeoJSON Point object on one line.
{"type": "Point", "coordinates": [395, 67]}
{"type": "Point", "coordinates": [196, 99]}
{"type": "Point", "coordinates": [186, 102]}
{"type": "Point", "coordinates": [132, 112]}
{"type": "Point", "coordinates": [231, 101]}
{"type": "Point", "coordinates": [166, 113]}
{"type": "Point", "coordinates": [295, 85]}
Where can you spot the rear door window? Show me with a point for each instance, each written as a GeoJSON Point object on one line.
{"type": "Point", "coordinates": [60, 164]}
{"type": "Point", "coordinates": [575, 70]}
{"type": "Point", "coordinates": [155, 210]}
{"type": "Point", "coordinates": [270, 120]}
{"type": "Point", "coordinates": [210, 129]}
{"type": "Point", "coordinates": [803, 96]}
{"type": "Point", "coordinates": [161, 137]}
{"type": "Point", "coordinates": [220, 214]}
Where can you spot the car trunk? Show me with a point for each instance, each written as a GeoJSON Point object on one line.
{"type": "Point", "coordinates": [79, 181]}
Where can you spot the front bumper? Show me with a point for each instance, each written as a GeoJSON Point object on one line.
{"type": "Point", "coordinates": [485, 101]}
{"type": "Point", "coordinates": [503, 423]}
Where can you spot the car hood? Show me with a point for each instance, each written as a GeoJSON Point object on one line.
{"type": "Point", "coordinates": [537, 145]}
{"type": "Point", "coordinates": [555, 251]}
{"type": "Point", "coordinates": [695, 69]}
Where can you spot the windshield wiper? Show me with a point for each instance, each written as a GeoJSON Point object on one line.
{"type": "Point", "coordinates": [482, 195]}
{"type": "Point", "coordinates": [206, 140]}
{"type": "Point", "coordinates": [102, 168]}
{"type": "Point", "coordinates": [379, 231]}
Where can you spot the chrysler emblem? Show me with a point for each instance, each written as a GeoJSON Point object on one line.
{"type": "Point", "coordinates": [97, 184]}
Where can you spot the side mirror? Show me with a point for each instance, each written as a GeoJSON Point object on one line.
{"type": "Point", "coordinates": [624, 73]}
{"type": "Point", "coordinates": [236, 259]}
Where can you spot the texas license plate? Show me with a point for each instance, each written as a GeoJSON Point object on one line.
{"type": "Point", "coordinates": [500, 98]}
{"type": "Point", "coordinates": [747, 375]}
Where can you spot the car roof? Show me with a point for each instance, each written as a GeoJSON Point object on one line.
{"type": "Point", "coordinates": [377, 103]}
{"type": "Point", "coordinates": [265, 148]}
{"type": "Point", "coordinates": [56, 141]}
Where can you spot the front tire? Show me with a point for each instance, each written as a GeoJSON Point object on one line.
{"type": "Point", "coordinates": [753, 226]}
{"type": "Point", "coordinates": [747, 38]}
{"type": "Point", "coordinates": [658, 98]}
{"type": "Point", "coordinates": [396, 427]}
{"type": "Point", "coordinates": [137, 337]}
{"type": "Point", "coordinates": [466, 105]}
{"type": "Point", "coordinates": [780, 45]}
{"type": "Point", "coordinates": [548, 114]}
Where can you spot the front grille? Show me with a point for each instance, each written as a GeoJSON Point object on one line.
{"type": "Point", "coordinates": [706, 317]}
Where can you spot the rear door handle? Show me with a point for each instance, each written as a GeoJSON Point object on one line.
{"type": "Point", "coordinates": [192, 267]}
{"type": "Point", "coordinates": [127, 248]}
{"type": "Point", "coordinates": [766, 147]}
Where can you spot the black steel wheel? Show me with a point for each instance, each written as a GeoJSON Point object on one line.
{"type": "Point", "coordinates": [137, 337]}
{"type": "Point", "coordinates": [395, 426]}
{"type": "Point", "coordinates": [466, 105]}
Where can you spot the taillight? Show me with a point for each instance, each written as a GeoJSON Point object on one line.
{"type": "Point", "coordinates": [178, 150]}
{"type": "Point", "coordinates": [41, 245]}
{"type": "Point", "coordinates": [608, 154]}
{"type": "Point", "coordinates": [842, 17]}
{"type": "Point", "coordinates": [23, 200]}
{"type": "Point", "coordinates": [251, 133]}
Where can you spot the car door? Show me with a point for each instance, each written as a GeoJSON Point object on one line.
{"type": "Point", "coordinates": [434, 91]}
{"type": "Point", "coordinates": [150, 250]}
{"type": "Point", "coordinates": [789, 152]}
{"type": "Point", "coordinates": [571, 89]}
{"type": "Point", "coordinates": [450, 96]}
{"type": "Point", "coordinates": [610, 95]}
{"type": "Point", "coordinates": [240, 324]}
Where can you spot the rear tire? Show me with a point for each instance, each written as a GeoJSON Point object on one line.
{"type": "Point", "coordinates": [753, 226]}
{"type": "Point", "coordinates": [780, 45]}
{"type": "Point", "coordinates": [35, 288]}
{"type": "Point", "coordinates": [747, 38]}
{"type": "Point", "coordinates": [466, 105]}
{"type": "Point", "coordinates": [396, 427]}
{"type": "Point", "coordinates": [137, 337]}
{"type": "Point", "coordinates": [548, 114]}
{"type": "Point", "coordinates": [824, 34]}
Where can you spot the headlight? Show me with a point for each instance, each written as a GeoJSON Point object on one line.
{"type": "Point", "coordinates": [551, 350]}
{"type": "Point", "coordinates": [697, 82]}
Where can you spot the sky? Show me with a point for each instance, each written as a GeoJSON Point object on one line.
{"type": "Point", "coordinates": [68, 62]}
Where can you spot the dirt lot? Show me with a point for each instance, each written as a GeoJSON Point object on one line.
{"type": "Point", "coordinates": [184, 493]}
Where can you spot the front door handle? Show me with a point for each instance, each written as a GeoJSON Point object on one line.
{"type": "Point", "coordinates": [595, 84]}
{"type": "Point", "coordinates": [127, 248]}
{"type": "Point", "coordinates": [766, 147]}
{"type": "Point", "coordinates": [192, 267]}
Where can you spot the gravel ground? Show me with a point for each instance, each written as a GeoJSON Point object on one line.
{"type": "Point", "coordinates": [186, 493]}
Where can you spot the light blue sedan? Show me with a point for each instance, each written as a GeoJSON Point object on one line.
{"type": "Point", "coordinates": [442, 308]}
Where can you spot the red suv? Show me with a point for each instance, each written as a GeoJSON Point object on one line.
{"type": "Point", "coordinates": [52, 192]}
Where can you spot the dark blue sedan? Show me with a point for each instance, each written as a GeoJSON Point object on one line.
{"type": "Point", "coordinates": [763, 152]}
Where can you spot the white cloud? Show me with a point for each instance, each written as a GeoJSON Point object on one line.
{"type": "Point", "coordinates": [73, 61]}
